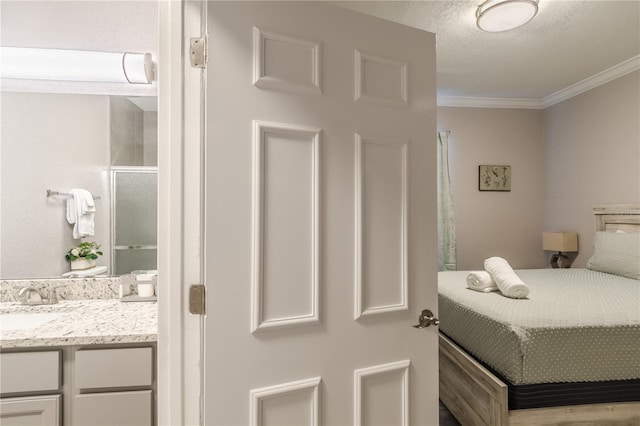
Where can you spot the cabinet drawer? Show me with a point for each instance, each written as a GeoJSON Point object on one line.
{"type": "Point", "coordinates": [115, 408]}
{"type": "Point", "coordinates": [112, 368]}
{"type": "Point", "coordinates": [29, 371]}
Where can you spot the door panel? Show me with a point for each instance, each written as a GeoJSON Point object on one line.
{"type": "Point", "coordinates": [382, 395]}
{"type": "Point", "coordinates": [284, 62]}
{"type": "Point", "coordinates": [381, 226]}
{"type": "Point", "coordinates": [295, 404]}
{"type": "Point", "coordinates": [380, 80]}
{"type": "Point", "coordinates": [286, 196]}
{"type": "Point", "coordinates": [320, 217]}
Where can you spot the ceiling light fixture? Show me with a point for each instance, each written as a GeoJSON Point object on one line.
{"type": "Point", "coordinates": [75, 65]}
{"type": "Point", "coordinates": [504, 15]}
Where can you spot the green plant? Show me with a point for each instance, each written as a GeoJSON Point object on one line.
{"type": "Point", "coordinates": [86, 250]}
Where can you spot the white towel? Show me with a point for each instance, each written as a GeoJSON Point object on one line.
{"type": "Point", "coordinates": [481, 281]}
{"type": "Point", "coordinates": [81, 209]}
{"type": "Point", "coordinates": [506, 279]}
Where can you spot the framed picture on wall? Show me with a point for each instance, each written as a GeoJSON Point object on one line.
{"type": "Point", "coordinates": [494, 178]}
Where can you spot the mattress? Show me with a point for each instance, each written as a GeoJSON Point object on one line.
{"type": "Point", "coordinates": [578, 393]}
{"type": "Point", "coordinates": [577, 325]}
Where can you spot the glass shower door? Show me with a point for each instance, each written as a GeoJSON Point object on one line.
{"type": "Point", "coordinates": [134, 195]}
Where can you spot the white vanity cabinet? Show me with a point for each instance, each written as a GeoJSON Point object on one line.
{"type": "Point", "coordinates": [24, 377]}
{"type": "Point", "coordinates": [90, 385]}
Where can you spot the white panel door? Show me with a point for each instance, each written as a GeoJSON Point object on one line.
{"type": "Point", "coordinates": [320, 218]}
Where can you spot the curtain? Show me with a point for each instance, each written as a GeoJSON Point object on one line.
{"type": "Point", "coordinates": [446, 227]}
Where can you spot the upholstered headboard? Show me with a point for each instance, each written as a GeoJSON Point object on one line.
{"type": "Point", "coordinates": [623, 217]}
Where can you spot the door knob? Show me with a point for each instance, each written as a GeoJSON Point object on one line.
{"type": "Point", "coordinates": [426, 319]}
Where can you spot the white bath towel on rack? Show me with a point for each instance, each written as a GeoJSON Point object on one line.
{"type": "Point", "coordinates": [81, 209]}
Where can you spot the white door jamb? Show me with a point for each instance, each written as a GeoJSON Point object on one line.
{"type": "Point", "coordinates": [180, 212]}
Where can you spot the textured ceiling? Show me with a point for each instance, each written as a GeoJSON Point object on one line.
{"type": "Point", "coordinates": [567, 42]}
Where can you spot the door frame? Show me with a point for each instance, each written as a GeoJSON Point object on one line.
{"type": "Point", "coordinates": [181, 121]}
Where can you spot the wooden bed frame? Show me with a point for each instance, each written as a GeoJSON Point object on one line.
{"type": "Point", "coordinates": [477, 397]}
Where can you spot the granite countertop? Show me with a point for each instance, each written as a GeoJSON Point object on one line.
{"type": "Point", "coordinates": [79, 322]}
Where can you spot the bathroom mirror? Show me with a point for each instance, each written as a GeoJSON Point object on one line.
{"type": "Point", "coordinates": [57, 142]}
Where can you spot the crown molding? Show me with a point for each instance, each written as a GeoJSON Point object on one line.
{"type": "Point", "coordinates": [623, 68]}
{"type": "Point", "coordinates": [616, 71]}
{"type": "Point", "coordinates": [471, 102]}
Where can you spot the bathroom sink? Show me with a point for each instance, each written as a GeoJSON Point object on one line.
{"type": "Point", "coordinates": [17, 308]}
{"type": "Point", "coordinates": [25, 321]}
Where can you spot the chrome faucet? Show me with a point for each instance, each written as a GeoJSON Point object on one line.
{"type": "Point", "coordinates": [33, 296]}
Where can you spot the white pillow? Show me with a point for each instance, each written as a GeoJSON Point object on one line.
{"type": "Point", "coordinates": [616, 253]}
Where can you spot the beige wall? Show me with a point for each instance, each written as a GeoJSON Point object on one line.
{"type": "Point", "coordinates": [134, 134]}
{"type": "Point", "coordinates": [565, 160]}
{"type": "Point", "coordinates": [592, 157]}
{"type": "Point", "coordinates": [109, 26]}
{"type": "Point", "coordinates": [507, 224]}
{"type": "Point", "coordinates": [53, 142]}
{"type": "Point", "coordinates": [126, 132]}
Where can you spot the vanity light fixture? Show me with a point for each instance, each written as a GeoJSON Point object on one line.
{"type": "Point", "coordinates": [75, 65]}
{"type": "Point", "coordinates": [504, 15]}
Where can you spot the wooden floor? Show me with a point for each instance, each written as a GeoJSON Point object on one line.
{"type": "Point", "coordinates": [446, 418]}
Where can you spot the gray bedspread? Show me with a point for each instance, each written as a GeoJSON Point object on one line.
{"type": "Point", "coordinates": [577, 325]}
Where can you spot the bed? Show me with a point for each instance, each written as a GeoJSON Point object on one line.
{"type": "Point", "coordinates": [540, 361]}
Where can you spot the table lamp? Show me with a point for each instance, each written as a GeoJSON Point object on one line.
{"type": "Point", "coordinates": [560, 242]}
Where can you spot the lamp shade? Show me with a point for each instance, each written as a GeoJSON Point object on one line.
{"type": "Point", "coordinates": [560, 241]}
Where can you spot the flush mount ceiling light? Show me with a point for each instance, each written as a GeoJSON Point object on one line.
{"type": "Point", "coordinates": [504, 15]}
{"type": "Point", "coordinates": [76, 65]}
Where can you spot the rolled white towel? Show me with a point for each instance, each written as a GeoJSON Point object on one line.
{"type": "Point", "coordinates": [506, 279]}
{"type": "Point", "coordinates": [481, 281]}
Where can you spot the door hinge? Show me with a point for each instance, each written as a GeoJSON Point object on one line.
{"type": "Point", "coordinates": [198, 52]}
{"type": "Point", "coordinates": [197, 299]}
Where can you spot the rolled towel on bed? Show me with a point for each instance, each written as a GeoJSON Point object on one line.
{"type": "Point", "coordinates": [506, 279]}
{"type": "Point", "coordinates": [481, 281]}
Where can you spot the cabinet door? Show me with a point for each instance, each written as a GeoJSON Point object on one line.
{"type": "Point", "coordinates": [31, 410]}
{"type": "Point", "coordinates": [114, 408]}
